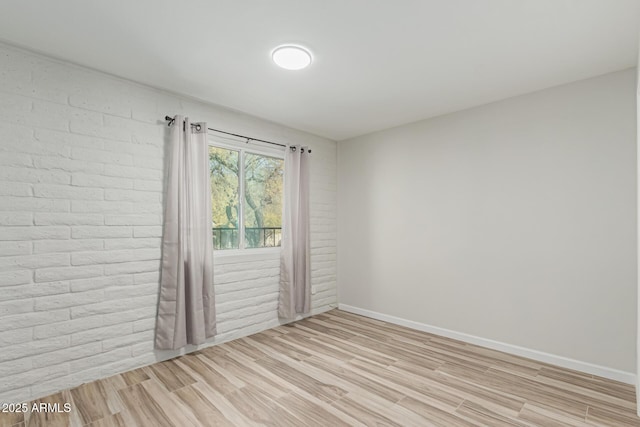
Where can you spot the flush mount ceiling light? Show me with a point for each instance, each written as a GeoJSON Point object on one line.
{"type": "Point", "coordinates": [291, 57]}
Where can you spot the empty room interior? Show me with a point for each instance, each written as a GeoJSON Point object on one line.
{"type": "Point", "coordinates": [329, 213]}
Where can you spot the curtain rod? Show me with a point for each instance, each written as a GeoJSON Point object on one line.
{"type": "Point", "coordinates": [248, 138]}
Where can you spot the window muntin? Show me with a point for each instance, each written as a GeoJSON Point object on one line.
{"type": "Point", "coordinates": [257, 221]}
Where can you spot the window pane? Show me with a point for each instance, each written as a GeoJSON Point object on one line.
{"type": "Point", "coordinates": [263, 200]}
{"type": "Point", "coordinates": [224, 167]}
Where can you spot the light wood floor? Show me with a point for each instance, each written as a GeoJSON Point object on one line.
{"type": "Point", "coordinates": [340, 369]}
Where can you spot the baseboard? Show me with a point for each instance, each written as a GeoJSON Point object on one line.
{"type": "Point", "coordinates": [565, 362]}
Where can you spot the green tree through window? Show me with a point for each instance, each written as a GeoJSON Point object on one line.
{"type": "Point", "coordinates": [262, 201]}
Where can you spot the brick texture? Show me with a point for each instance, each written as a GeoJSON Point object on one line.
{"type": "Point", "coordinates": [81, 182]}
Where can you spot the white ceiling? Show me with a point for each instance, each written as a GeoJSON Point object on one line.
{"type": "Point", "coordinates": [377, 63]}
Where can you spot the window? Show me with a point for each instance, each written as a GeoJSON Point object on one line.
{"type": "Point", "coordinates": [246, 197]}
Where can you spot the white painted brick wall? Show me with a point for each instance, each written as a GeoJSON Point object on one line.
{"type": "Point", "coordinates": [81, 182]}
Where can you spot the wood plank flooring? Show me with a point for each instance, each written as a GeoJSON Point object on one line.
{"type": "Point", "coordinates": [339, 369]}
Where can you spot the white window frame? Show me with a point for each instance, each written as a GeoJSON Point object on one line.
{"type": "Point", "coordinates": [230, 255]}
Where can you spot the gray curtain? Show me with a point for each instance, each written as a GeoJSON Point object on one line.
{"type": "Point", "coordinates": [295, 268]}
{"type": "Point", "coordinates": [186, 310]}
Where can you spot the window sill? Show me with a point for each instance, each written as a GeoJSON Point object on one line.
{"type": "Point", "coordinates": [232, 256]}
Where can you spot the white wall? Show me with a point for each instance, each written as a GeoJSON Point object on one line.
{"type": "Point", "coordinates": [638, 235]}
{"type": "Point", "coordinates": [81, 178]}
{"type": "Point", "coordinates": [514, 221]}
